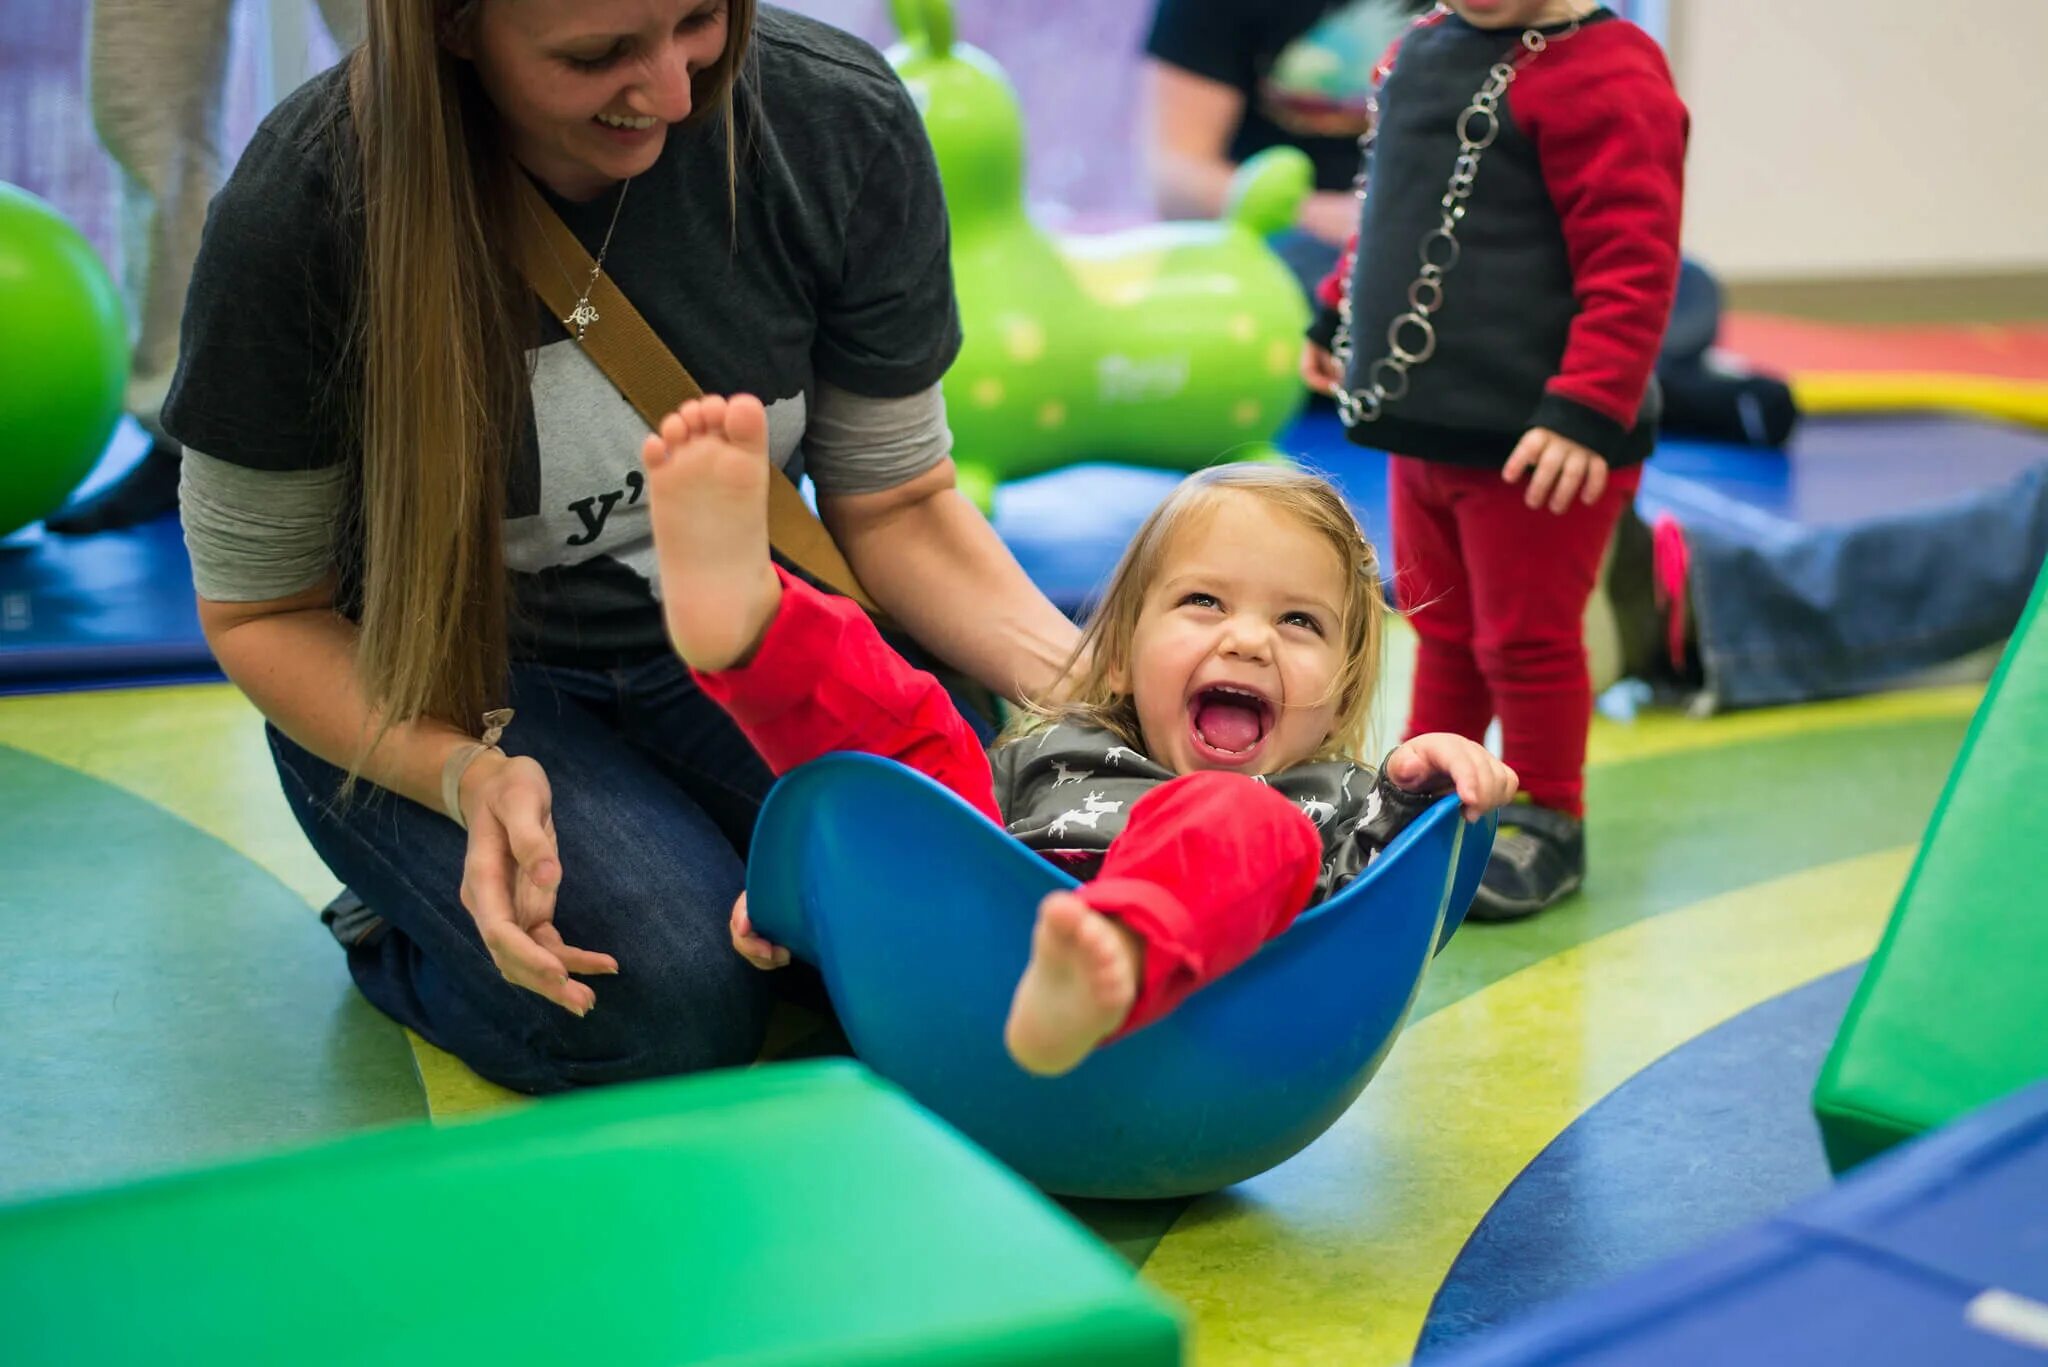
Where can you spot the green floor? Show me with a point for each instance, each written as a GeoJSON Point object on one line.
{"type": "Point", "coordinates": [174, 1000]}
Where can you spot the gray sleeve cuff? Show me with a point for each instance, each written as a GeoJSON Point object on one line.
{"type": "Point", "coordinates": [854, 444]}
{"type": "Point", "coordinates": [255, 535]}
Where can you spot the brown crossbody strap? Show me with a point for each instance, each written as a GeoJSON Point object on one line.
{"type": "Point", "coordinates": [650, 377]}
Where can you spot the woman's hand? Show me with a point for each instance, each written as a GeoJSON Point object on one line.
{"type": "Point", "coordinates": [1320, 370]}
{"type": "Point", "coordinates": [509, 878]}
{"type": "Point", "coordinates": [1563, 468]}
{"type": "Point", "coordinates": [1438, 760]}
{"type": "Point", "coordinates": [752, 947]}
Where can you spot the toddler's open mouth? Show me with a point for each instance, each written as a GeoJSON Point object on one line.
{"type": "Point", "coordinates": [1229, 724]}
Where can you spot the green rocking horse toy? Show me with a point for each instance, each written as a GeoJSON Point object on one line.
{"type": "Point", "coordinates": [1173, 345]}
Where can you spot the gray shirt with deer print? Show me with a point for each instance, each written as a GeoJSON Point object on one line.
{"type": "Point", "coordinates": [1066, 792]}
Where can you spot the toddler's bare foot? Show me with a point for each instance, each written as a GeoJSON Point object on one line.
{"type": "Point", "coordinates": [1078, 987]}
{"type": "Point", "coordinates": [707, 489]}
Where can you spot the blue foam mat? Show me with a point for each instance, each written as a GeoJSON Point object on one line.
{"type": "Point", "coordinates": [1889, 1267]}
{"type": "Point", "coordinates": [99, 611]}
{"type": "Point", "coordinates": [1067, 528]}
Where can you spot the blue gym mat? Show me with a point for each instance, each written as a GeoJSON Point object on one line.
{"type": "Point", "coordinates": [100, 611]}
{"type": "Point", "coordinates": [1931, 1254]}
{"type": "Point", "coordinates": [1067, 528]}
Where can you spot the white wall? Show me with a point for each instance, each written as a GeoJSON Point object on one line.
{"type": "Point", "coordinates": [1865, 137]}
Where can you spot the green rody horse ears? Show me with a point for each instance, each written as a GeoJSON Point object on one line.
{"type": "Point", "coordinates": [925, 25]}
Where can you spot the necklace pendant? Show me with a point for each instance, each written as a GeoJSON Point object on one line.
{"type": "Point", "coordinates": [584, 315]}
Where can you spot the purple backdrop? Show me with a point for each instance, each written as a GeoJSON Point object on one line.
{"type": "Point", "coordinates": [1073, 61]}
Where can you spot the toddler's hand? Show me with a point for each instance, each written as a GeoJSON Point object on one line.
{"type": "Point", "coordinates": [1320, 371]}
{"type": "Point", "coordinates": [752, 947]}
{"type": "Point", "coordinates": [1563, 468]}
{"type": "Point", "coordinates": [1440, 760]}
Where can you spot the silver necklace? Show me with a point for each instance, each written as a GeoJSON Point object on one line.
{"type": "Point", "coordinates": [585, 313]}
{"type": "Point", "coordinates": [1478, 125]}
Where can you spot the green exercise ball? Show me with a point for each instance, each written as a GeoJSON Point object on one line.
{"type": "Point", "coordinates": [63, 358]}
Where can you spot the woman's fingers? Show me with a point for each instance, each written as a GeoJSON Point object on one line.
{"type": "Point", "coordinates": [576, 960]}
{"type": "Point", "coordinates": [508, 885]}
{"type": "Point", "coordinates": [524, 963]}
{"type": "Point", "coordinates": [587, 961]}
{"type": "Point", "coordinates": [523, 806]}
{"type": "Point", "coordinates": [487, 874]}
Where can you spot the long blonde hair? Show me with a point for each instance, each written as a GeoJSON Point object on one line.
{"type": "Point", "coordinates": [443, 327]}
{"type": "Point", "coordinates": [1092, 697]}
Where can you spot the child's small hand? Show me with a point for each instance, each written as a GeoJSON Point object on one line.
{"type": "Point", "coordinates": [1563, 468]}
{"type": "Point", "coordinates": [1440, 760]}
{"type": "Point", "coordinates": [1320, 371]}
{"type": "Point", "coordinates": [752, 947]}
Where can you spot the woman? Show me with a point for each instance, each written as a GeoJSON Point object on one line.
{"type": "Point", "coordinates": [411, 498]}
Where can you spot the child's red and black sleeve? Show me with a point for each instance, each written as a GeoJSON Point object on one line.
{"type": "Point", "coordinates": [1612, 151]}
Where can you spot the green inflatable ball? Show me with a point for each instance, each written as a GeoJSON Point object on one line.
{"type": "Point", "coordinates": [63, 358]}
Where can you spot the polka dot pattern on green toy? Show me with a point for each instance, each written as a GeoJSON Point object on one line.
{"type": "Point", "coordinates": [1169, 346]}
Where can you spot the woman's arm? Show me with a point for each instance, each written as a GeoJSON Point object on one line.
{"type": "Point", "coordinates": [295, 659]}
{"type": "Point", "coordinates": [933, 563]}
{"type": "Point", "coordinates": [1188, 121]}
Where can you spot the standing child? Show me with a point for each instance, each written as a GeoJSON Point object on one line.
{"type": "Point", "coordinates": [1499, 319]}
{"type": "Point", "coordinates": [1201, 776]}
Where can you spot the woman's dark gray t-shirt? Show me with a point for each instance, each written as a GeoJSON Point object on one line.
{"type": "Point", "coordinates": [832, 293]}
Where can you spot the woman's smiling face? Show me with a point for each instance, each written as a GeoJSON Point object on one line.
{"type": "Point", "coordinates": [587, 89]}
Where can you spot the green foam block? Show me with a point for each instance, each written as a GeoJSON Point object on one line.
{"type": "Point", "coordinates": [798, 1214]}
{"type": "Point", "coordinates": [1952, 1012]}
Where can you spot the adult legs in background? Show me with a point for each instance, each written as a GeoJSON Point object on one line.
{"type": "Point", "coordinates": [1704, 397]}
{"type": "Point", "coordinates": [1839, 610]}
{"type": "Point", "coordinates": [158, 71]}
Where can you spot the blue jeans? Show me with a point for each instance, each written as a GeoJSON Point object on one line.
{"type": "Point", "coordinates": [655, 794]}
{"type": "Point", "coordinates": [1832, 611]}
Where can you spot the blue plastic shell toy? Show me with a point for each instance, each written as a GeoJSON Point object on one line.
{"type": "Point", "coordinates": [921, 935]}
